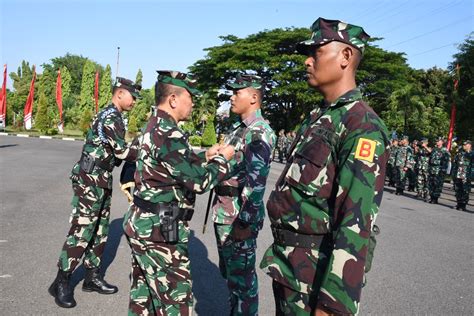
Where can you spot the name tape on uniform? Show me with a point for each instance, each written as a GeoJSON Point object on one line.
{"type": "Point", "coordinates": [365, 150]}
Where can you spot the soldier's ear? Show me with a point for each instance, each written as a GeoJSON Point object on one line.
{"type": "Point", "coordinates": [172, 100]}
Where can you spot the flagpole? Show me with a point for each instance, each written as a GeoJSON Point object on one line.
{"type": "Point", "coordinates": [118, 58]}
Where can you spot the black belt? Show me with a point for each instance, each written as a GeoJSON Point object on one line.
{"type": "Point", "coordinates": [226, 190]}
{"type": "Point", "coordinates": [185, 214]}
{"type": "Point", "coordinates": [285, 237]}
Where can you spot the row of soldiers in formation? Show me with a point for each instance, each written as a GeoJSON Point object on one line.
{"type": "Point", "coordinates": [426, 168]}
{"type": "Point", "coordinates": [283, 144]}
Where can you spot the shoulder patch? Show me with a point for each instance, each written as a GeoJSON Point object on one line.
{"type": "Point", "coordinates": [365, 150]}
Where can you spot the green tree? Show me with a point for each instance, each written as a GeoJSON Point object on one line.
{"type": "Point", "coordinates": [464, 95]}
{"type": "Point", "coordinates": [41, 118]}
{"type": "Point", "coordinates": [86, 99]}
{"type": "Point", "coordinates": [139, 77]}
{"type": "Point", "coordinates": [209, 137]}
{"type": "Point", "coordinates": [142, 108]}
{"type": "Point", "coordinates": [105, 89]}
{"type": "Point", "coordinates": [132, 124]}
{"type": "Point", "coordinates": [21, 83]}
{"type": "Point", "coordinates": [85, 121]}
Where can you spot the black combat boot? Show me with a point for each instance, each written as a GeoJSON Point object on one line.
{"type": "Point", "coordinates": [458, 206]}
{"type": "Point", "coordinates": [462, 206]}
{"type": "Point", "coordinates": [94, 282]}
{"type": "Point", "coordinates": [434, 200]}
{"type": "Point", "coordinates": [62, 291]}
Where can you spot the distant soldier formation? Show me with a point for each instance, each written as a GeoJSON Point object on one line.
{"type": "Point", "coordinates": [418, 167]}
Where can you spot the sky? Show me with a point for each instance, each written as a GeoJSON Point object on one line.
{"type": "Point", "coordinates": [165, 34]}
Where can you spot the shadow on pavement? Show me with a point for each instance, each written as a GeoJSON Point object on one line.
{"type": "Point", "coordinates": [111, 247]}
{"type": "Point", "coordinates": [9, 145]}
{"type": "Point", "coordinates": [209, 288]}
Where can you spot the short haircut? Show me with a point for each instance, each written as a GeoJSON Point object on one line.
{"type": "Point", "coordinates": [164, 90]}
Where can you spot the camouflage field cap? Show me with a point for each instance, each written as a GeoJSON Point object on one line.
{"type": "Point", "coordinates": [243, 81]}
{"type": "Point", "coordinates": [326, 31]}
{"type": "Point", "coordinates": [179, 79]}
{"type": "Point", "coordinates": [424, 140]}
{"type": "Point", "coordinates": [405, 137]}
{"type": "Point", "coordinates": [467, 142]}
{"type": "Point", "coordinates": [128, 85]}
{"type": "Point", "coordinates": [440, 138]}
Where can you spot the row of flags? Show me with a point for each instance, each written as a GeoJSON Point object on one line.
{"type": "Point", "coordinates": [28, 110]}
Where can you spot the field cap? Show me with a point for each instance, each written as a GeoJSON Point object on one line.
{"type": "Point", "coordinates": [179, 79]}
{"type": "Point", "coordinates": [325, 31]}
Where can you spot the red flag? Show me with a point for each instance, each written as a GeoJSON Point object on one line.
{"type": "Point", "coordinates": [59, 100]}
{"type": "Point", "coordinates": [29, 102]}
{"type": "Point", "coordinates": [96, 92]}
{"type": "Point", "coordinates": [3, 99]}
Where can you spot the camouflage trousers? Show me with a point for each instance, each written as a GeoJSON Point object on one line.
{"type": "Point", "coordinates": [435, 184]}
{"type": "Point", "coordinates": [237, 266]}
{"type": "Point", "coordinates": [160, 278]}
{"type": "Point", "coordinates": [89, 227]}
{"type": "Point", "coordinates": [389, 173]}
{"type": "Point", "coordinates": [422, 182]}
{"type": "Point", "coordinates": [411, 176]}
{"type": "Point", "coordinates": [462, 190]}
{"type": "Point", "coordinates": [291, 302]}
{"type": "Point", "coordinates": [400, 178]}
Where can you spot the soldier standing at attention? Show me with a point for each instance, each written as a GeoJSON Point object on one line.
{"type": "Point", "coordinates": [391, 162]}
{"type": "Point", "coordinates": [422, 160]}
{"type": "Point", "coordinates": [462, 175]}
{"type": "Point", "coordinates": [412, 172]}
{"type": "Point", "coordinates": [91, 177]}
{"type": "Point", "coordinates": [238, 208]}
{"type": "Point", "coordinates": [403, 163]}
{"type": "Point", "coordinates": [325, 202]}
{"type": "Point", "coordinates": [281, 145]}
{"type": "Point", "coordinates": [168, 176]}
{"type": "Point", "coordinates": [438, 165]}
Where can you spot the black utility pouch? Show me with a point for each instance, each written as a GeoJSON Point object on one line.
{"type": "Point", "coordinates": [169, 223]}
{"type": "Point", "coordinates": [87, 163]}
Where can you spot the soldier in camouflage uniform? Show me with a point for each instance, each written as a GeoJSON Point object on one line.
{"type": "Point", "coordinates": [391, 162]}
{"type": "Point", "coordinates": [411, 173]}
{"type": "Point", "coordinates": [238, 208]}
{"type": "Point", "coordinates": [437, 167]}
{"type": "Point", "coordinates": [462, 175]}
{"type": "Point", "coordinates": [422, 159]}
{"type": "Point", "coordinates": [281, 145]}
{"type": "Point", "coordinates": [403, 163]}
{"type": "Point", "coordinates": [91, 177]}
{"type": "Point", "coordinates": [326, 200]}
{"type": "Point", "coordinates": [168, 176]}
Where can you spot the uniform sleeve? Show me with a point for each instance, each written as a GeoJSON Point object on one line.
{"type": "Point", "coordinates": [361, 161]}
{"type": "Point", "coordinates": [257, 165]}
{"type": "Point", "coordinates": [189, 169]}
{"type": "Point", "coordinates": [114, 131]}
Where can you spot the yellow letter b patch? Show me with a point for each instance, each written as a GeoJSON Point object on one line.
{"type": "Point", "coordinates": [365, 150]}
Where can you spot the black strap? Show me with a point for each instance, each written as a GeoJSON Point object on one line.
{"type": "Point", "coordinates": [185, 214]}
{"type": "Point", "coordinates": [99, 163]}
{"type": "Point", "coordinates": [225, 190]}
{"type": "Point", "coordinates": [285, 237]}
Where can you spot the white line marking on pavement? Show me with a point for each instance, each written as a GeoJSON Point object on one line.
{"type": "Point", "coordinates": [67, 138]}
{"type": "Point", "coordinates": [4, 134]}
{"type": "Point", "coordinates": [5, 276]}
{"type": "Point", "coordinates": [3, 240]}
{"type": "Point", "coordinates": [22, 135]}
{"type": "Point", "coordinates": [46, 137]}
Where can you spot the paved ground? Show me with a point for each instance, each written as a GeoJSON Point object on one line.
{"type": "Point", "coordinates": [423, 263]}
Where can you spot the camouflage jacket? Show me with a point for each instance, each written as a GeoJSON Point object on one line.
{"type": "Point", "coordinates": [439, 160]}
{"type": "Point", "coordinates": [462, 166]}
{"type": "Point", "coordinates": [393, 154]}
{"type": "Point", "coordinates": [281, 145]}
{"type": "Point", "coordinates": [332, 185]}
{"type": "Point", "coordinates": [105, 141]}
{"type": "Point", "coordinates": [404, 157]}
{"type": "Point", "coordinates": [422, 159]}
{"type": "Point", "coordinates": [254, 142]}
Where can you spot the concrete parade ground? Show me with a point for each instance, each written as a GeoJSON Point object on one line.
{"type": "Point", "coordinates": [423, 261]}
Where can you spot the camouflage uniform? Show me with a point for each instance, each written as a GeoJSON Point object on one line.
{"type": "Point", "coordinates": [438, 164]}
{"type": "Point", "coordinates": [403, 160]}
{"type": "Point", "coordinates": [239, 201]}
{"type": "Point", "coordinates": [412, 173]}
{"type": "Point", "coordinates": [325, 202]}
{"type": "Point", "coordinates": [281, 146]}
{"type": "Point", "coordinates": [462, 176]}
{"type": "Point", "coordinates": [169, 174]}
{"type": "Point", "coordinates": [391, 165]}
{"type": "Point", "coordinates": [105, 141]}
{"type": "Point", "coordinates": [422, 160]}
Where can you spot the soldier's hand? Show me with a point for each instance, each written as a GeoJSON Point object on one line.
{"type": "Point", "coordinates": [214, 150]}
{"type": "Point", "coordinates": [227, 151]}
{"type": "Point", "coordinates": [320, 312]}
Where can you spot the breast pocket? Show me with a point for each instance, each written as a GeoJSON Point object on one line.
{"type": "Point", "coordinates": [308, 172]}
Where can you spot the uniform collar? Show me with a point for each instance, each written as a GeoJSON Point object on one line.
{"type": "Point", "coordinates": [348, 97]}
{"type": "Point", "coordinates": [250, 119]}
{"type": "Point", "coordinates": [164, 115]}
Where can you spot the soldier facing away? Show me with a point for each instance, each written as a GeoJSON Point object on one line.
{"type": "Point", "coordinates": [422, 160]}
{"type": "Point", "coordinates": [91, 178]}
{"type": "Point", "coordinates": [391, 162]}
{"type": "Point", "coordinates": [462, 175]}
{"type": "Point", "coordinates": [325, 202]}
{"type": "Point", "coordinates": [438, 165]}
{"type": "Point", "coordinates": [403, 163]}
{"type": "Point", "coordinates": [168, 176]}
{"type": "Point", "coordinates": [238, 208]}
